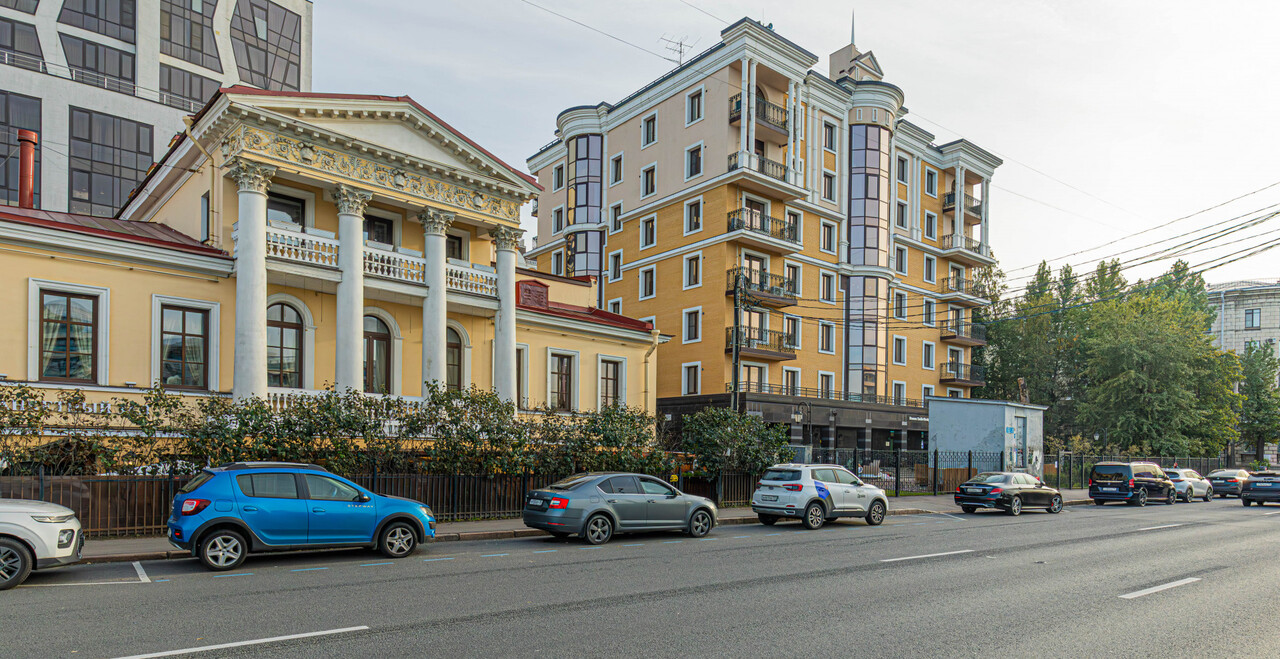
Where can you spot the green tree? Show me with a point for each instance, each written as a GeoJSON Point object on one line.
{"type": "Point", "coordinates": [722, 440]}
{"type": "Point", "coordinates": [1260, 414]}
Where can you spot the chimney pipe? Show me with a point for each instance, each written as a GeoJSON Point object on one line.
{"type": "Point", "coordinates": [27, 168]}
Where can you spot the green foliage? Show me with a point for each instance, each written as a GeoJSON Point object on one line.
{"type": "Point", "coordinates": [1261, 464]}
{"type": "Point", "coordinates": [724, 440]}
{"type": "Point", "coordinates": [1260, 414]}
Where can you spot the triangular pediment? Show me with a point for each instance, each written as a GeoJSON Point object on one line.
{"type": "Point", "coordinates": [868, 61]}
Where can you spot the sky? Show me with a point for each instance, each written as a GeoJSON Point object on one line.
{"type": "Point", "coordinates": [1112, 118]}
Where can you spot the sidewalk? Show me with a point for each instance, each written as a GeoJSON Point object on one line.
{"type": "Point", "coordinates": [107, 550]}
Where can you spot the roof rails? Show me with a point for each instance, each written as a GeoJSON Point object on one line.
{"type": "Point", "coordinates": [239, 466]}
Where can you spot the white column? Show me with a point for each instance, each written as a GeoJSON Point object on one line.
{"type": "Point", "coordinates": [249, 378]}
{"type": "Point", "coordinates": [986, 214]}
{"type": "Point", "coordinates": [751, 118]}
{"type": "Point", "coordinates": [435, 309]}
{"type": "Point", "coordinates": [349, 350]}
{"type": "Point", "coordinates": [913, 198]}
{"type": "Point", "coordinates": [742, 121]}
{"type": "Point", "coordinates": [792, 112]}
{"type": "Point", "coordinates": [957, 213]}
{"type": "Point", "coordinates": [505, 241]}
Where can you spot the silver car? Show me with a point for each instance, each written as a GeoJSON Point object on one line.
{"type": "Point", "coordinates": [816, 494]}
{"type": "Point", "coordinates": [596, 505]}
{"type": "Point", "coordinates": [35, 535]}
{"type": "Point", "coordinates": [1190, 485]}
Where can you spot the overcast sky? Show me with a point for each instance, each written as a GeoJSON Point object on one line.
{"type": "Point", "coordinates": [1111, 117]}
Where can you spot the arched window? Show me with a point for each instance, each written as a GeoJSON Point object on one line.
{"type": "Point", "coordinates": [453, 359]}
{"type": "Point", "coordinates": [377, 356]}
{"type": "Point", "coordinates": [284, 346]}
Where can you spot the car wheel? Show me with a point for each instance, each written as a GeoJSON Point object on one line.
{"type": "Point", "coordinates": [768, 520]}
{"type": "Point", "coordinates": [1055, 504]}
{"type": "Point", "coordinates": [700, 524]}
{"type": "Point", "coordinates": [876, 513]}
{"type": "Point", "coordinates": [1244, 501]}
{"type": "Point", "coordinates": [15, 563]}
{"type": "Point", "coordinates": [223, 549]}
{"type": "Point", "coordinates": [398, 540]}
{"type": "Point", "coordinates": [1172, 498]}
{"type": "Point", "coordinates": [968, 509]}
{"type": "Point", "coordinates": [1015, 506]}
{"type": "Point", "coordinates": [814, 516]}
{"type": "Point", "coordinates": [1208, 495]}
{"type": "Point", "coordinates": [598, 530]}
{"type": "Point", "coordinates": [1141, 499]}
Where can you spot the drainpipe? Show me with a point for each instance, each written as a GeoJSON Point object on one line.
{"type": "Point", "coordinates": [27, 168]}
{"type": "Point", "coordinates": [214, 227]}
{"type": "Point", "coordinates": [654, 335]}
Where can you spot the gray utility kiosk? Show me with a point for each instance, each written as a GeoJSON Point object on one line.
{"type": "Point", "coordinates": [990, 426]}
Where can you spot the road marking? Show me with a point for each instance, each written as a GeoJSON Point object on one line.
{"type": "Point", "coordinates": [491, 555]}
{"type": "Point", "coordinates": [738, 537]}
{"type": "Point", "coordinates": [1265, 514]}
{"type": "Point", "coordinates": [595, 547]}
{"type": "Point", "coordinates": [908, 558]}
{"type": "Point", "coordinates": [1166, 526]}
{"type": "Point", "coordinates": [671, 542]}
{"type": "Point", "coordinates": [309, 569]}
{"type": "Point", "coordinates": [545, 551]}
{"type": "Point", "coordinates": [238, 574]}
{"type": "Point", "coordinates": [85, 583]}
{"type": "Point", "coordinates": [446, 558]}
{"type": "Point", "coordinates": [635, 544]}
{"type": "Point", "coordinates": [375, 564]}
{"type": "Point", "coordinates": [1155, 589]}
{"type": "Point", "coordinates": [769, 534]}
{"type": "Point", "coordinates": [142, 574]}
{"type": "Point", "coordinates": [240, 644]}
{"type": "Point", "coordinates": [961, 519]}
{"type": "Point", "coordinates": [705, 539]}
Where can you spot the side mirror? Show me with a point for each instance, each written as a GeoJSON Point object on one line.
{"type": "Point", "coordinates": [362, 498]}
{"type": "Point", "coordinates": [672, 495]}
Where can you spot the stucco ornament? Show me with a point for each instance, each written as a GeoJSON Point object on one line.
{"type": "Point", "coordinates": [251, 176]}
{"type": "Point", "coordinates": [351, 201]}
{"type": "Point", "coordinates": [435, 221]}
{"type": "Point", "coordinates": [506, 238]}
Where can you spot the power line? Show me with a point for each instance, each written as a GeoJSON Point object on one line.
{"type": "Point", "coordinates": [599, 31]}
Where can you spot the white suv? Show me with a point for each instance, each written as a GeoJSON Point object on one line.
{"type": "Point", "coordinates": [816, 494]}
{"type": "Point", "coordinates": [36, 535]}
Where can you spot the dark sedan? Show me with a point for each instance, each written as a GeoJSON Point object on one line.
{"type": "Point", "coordinates": [1262, 487]}
{"type": "Point", "coordinates": [1228, 481]}
{"type": "Point", "coordinates": [1008, 491]}
{"type": "Point", "coordinates": [594, 506]}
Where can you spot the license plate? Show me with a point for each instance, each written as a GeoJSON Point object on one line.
{"type": "Point", "coordinates": [768, 497]}
{"type": "Point", "coordinates": [1109, 489]}
{"type": "Point", "coordinates": [973, 490]}
{"type": "Point", "coordinates": [1262, 484]}
{"type": "Point", "coordinates": [535, 502]}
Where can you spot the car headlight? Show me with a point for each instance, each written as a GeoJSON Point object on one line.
{"type": "Point", "coordinates": [426, 510]}
{"type": "Point", "coordinates": [52, 519]}
{"type": "Point", "coordinates": [65, 537]}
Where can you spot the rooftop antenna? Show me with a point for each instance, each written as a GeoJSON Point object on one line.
{"type": "Point", "coordinates": [679, 47]}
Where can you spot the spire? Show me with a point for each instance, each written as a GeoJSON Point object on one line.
{"type": "Point", "coordinates": [852, 24]}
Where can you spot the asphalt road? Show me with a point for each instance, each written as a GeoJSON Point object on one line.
{"type": "Point", "coordinates": [1083, 583]}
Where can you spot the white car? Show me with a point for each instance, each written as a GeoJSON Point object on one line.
{"type": "Point", "coordinates": [1190, 485]}
{"type": "Point", "coordinates": [35, 535]}
{"type": "Point", "coordinates": [816, 494]}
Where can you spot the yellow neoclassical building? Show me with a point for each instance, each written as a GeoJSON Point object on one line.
{"type": "Point", "coordinates": [291, 241]}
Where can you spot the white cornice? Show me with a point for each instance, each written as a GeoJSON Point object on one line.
{"type": "Point", "coordinates": [102, 247]}
{"type": "Point", "coordinates": [561, 324]}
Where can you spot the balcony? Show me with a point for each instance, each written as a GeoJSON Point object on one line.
{"type": "Point", "coordinates": [959, 289]}
{"type": "Point", "coordinates": [767, 114]}
{"type": "Point", "coordinates": [963, 248]}
{"type": "Point", "coordinates": [971, 205]}
{"type": "Point", "coordinates": [964, 333]}
{"type": "Point", "coordinates": [770, 290]}
{"type": "Point", "coordinates": [770, 168]}
{"type": "Point", "coordinates": [764, 231]}
{"type": "Point", "coordinates": [760, 343]}
{"type": "Point", "coordinates": [965, 374]}
{"type": "Point", "coordinates": [760, 175]}
{"type": "Point", "coordinates": [826, 394]}
{"type": "Point", "coordinates": [85, 76]}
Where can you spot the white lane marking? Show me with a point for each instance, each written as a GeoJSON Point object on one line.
{"type": "Point", "coordinates": [481, 556]}
{"type": "Point", "coordinates": [908, 558]}
{"type": "Point", "coordinates": [309, 569]}
{"type": "Point", "coordinates": [1155, 589]}
{"type": "Point", "coordinates": [634, 544]}
{"type": "Point", "coordinates": [142, 574]}
{"type": "Point", "coordinates": [1166, 526]}
{"type": "Point", "coordinates": [240, 644]}
{"type": "Point", "coordinates": [85, 583]}
{"type": "Point", "coordinates": [952, 516]}
{"type": "Point", "coordinates": [1265, 514]}
{"type": "Point", "coordinates": [446, 558]}
{"type": "Point", "coordinates": [545, 551]}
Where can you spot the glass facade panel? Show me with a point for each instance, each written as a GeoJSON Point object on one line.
{"type": "Point", "coordinates": [99, 65]}
{"type": "Point", "coordinates": [16, 112]}
{"type": "Point", "coordinates": [114, 18]}
{"type": "Point", "coordinates": [267, 40]}
{"type": "Point", "coordinates": [25, 6]}
{"type": "Point", "coordinates": [109, 157]}
{"type": "Point", "coordinates": [183, 89]}
{"type": "Point", "coordinates": [865, 297]}
{"type": "Point", "coordinates": [186, 32]}
{"type": "Point", "coordinates": [586, 172]}
{"type": "Point", "coordinates": [20, 38]}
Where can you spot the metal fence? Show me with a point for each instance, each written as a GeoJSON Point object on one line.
{"type": "Point", "coordinates": [1067, 471]}
{"type": "Point", "coordinates": [900, 472]}
{"type": "Point", "coordinates": [105, 505]}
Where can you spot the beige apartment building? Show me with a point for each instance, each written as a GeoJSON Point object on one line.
{"type": "Point", "coordinates": [809, 249]}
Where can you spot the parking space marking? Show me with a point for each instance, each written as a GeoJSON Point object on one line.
{"type": "Point", "coordinates": [671, 542]}
{"type": "Point", "coordinates": [1155, 589]}
{"type": "Point", "coordinates": [635, 544]}
{"type": "Point", "coordinates": [909, 558]}
{"type": "Point", "coordinates": [489, 555]}
{"type": "Point", "coordinates": [545, 551]}
{"type": "Point", "coordinates": [769, 534]}
{"type": "Point", "coordinates": [309, 569]}
{"type": "Point", "coordinates": [738, 537]}
{"type": "Point", "coordinates": [705, 539]}
{"type": "Point", "coordinates": [1275, 513]}
{"type": "Point", "coordinates": [240, 644]}
{"type": "Point", "coordinates": [84, 583]}
{"type": "Point", "coordinates": [238, 574]}
{"type": "Point", "coordinates": [445, 558]}
{"type": "Point", "coordinates": [960, 519]}
{"type": "Point", "coordinates": [1165, 526]}
{"type": "Point", "coordinates": [376, 564]}
{"type": "Point", "coordinates": [142, 574]}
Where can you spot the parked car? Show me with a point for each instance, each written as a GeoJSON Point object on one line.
{"type": "Point", "coordinates": [1228, 481]}
{"type": "Point", "coordinates": [227, 512]}
{"type": "Point", "coordinates": [1262, 487]}
{"type": "Point", "coordinates": [1132, 482]}
{"type": "Point", "coordinates": [1008, 491]}
{"type": "Point", "coordinates": [35, 535]}
{"type": "Point", "coordinates": [597, 505]}
{"type": "Point", "coordinates": [1190, 485]}
{"type": "Point", "coordinates": [816, 494]}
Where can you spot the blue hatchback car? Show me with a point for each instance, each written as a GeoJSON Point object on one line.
{"type": "Point", "coordinates": [227, 512]}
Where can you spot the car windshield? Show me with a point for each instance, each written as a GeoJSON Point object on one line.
{"type": "Point", "coordinates": [570, 483]}
{"type": "Point", "coordinates": [1224, 473]}
{"type": "Point", "coordinates": [781, 475]}
{"type": "Point", "coordinates": [200, 479]}
{"type": "Point", "coordinates": [990, 478]}
{"type": "Point", "coordinates": [1110, 473]}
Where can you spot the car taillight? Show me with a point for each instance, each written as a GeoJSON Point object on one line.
{"type": "Point", "coordinates": [957, 489]}
{"type": "Point", "coordinates": [194, 506]}
{"type": "Point", "coordinates": [996, 490]}
{"type": "Point", "coordinates": [1130, 483]}
{"type": "Point", "coordinates": [1232, 480]}
{"type": "Point", "coordinates": [1176, 480]}
{"type": "Point", "coordinates": [559, 503]}
{"type": "Point", "coordinates": [1090, 482]}
{"type": "Point", "coordinates": [793, 488]}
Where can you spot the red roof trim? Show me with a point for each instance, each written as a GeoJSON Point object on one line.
{"type": "Point", "coordinates": [590, 315]}
{"type": "Point", "coordinates": [52, 221]}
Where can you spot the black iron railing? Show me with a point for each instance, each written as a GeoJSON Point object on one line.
{"type": "Point", "coordinates": [828, 394]}
{"type": "Point", "coordinates": [963, 329]}
{"type": "Point", "coordinates": [961, 241]}
{"type": "Point", "coordinates": [962, 372]}
{"type": "Point", "coordinates": [766, 112]}
{"type": "Point", "coordinates": [756, 338]}
{"type": "Point", "coordinates": [770, 168]}
{"type": "Point", "coordinates": [758, 222]}
{"type": "Point", "coordinates": [970, 204]}
{"type": "Point", "coordinates": [958, 285]}
{"type": "Point", "coordinates": [759, 281]}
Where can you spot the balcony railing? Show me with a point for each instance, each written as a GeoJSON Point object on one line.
{"type": "Point", "coordinates": [971, 204]}
{"type": "Point", "coordinates": [754, 338]}
{"type": "Point", "coordinates": [961, 241]}
{"type": "Point", "coordinates": [770, 168]}
{"type": "Point", "coordinates": [758, 222]}
{"type": "Point", "coordinates": [828, 394]}
{"type": "Point", "coordinates": [471, 279]}
{"type": "Point", "coordinates": [759, 281]}
{"type": "Point", "coordinates": [394, 265]}
{"type": "Point", "coordinates": [958, 285]}
{"type": "Point", "coordinates": [962, 372]}
{"type": "Point", "coordinates": [301, 247]}
{"type": "Point", "coordinates": [96, 79]}
{"type": "Point", "coordinates": [766, 112]}
{"type": "Point", "coordinates": [962, 329]}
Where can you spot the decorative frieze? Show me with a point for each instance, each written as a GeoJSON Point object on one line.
{"type": "Point", "coordinates": [251, 176]}
{"type": "Point", "coordinates": [351, 201]}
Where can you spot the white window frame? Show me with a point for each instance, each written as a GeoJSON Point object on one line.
{"type": "Point", "coordinates": [900, 264]}
{"type": "Point", "coordinates": [826, 173]}
{"type": "Point", "coordinates": [799, 380]}
{"type": "Point", "coordinates": [650, 218]}
{"type": "Point", "coordinates": [620, 157]}
{"type": "Point", "coordinates": [905, 215]}
{"type": "Point", "coordinates": [684, 379]}
{"type": "Point", "coordinates": [644, 120]}
{"type": "Point", "coordinates": [609, 265]}
{"type": "Point", "coordinates": [828, 375]}
{"type": "Point", "coordinates": [893, 349]}
{"type": "Point", "coordinates": [702, 162]}
{"type": "Point", "coordinates": [787, 212]}
{"type": "Point", "coordinates": [308, 199]}
{"type": "Point", "coordinates": [835, 237]}
{"type": "Point", "coordinates": [554, 211]}
{"type": "Point", "coordinates": [906, 305]}
{"type": "Point", "coordinates": [799, 326]}
{"type": "Point", "coordinates": [929, 319]}
{"type": "Point", "coordinates": [829, 327]}
{"type": "Point", "coordinates": [925, 270]}
{"type": "Point", "coordinates": [102, 327]}
{"type": "Point", "coordinates": [702, 111]}
{"type": "Point", "coordinates": [608, 306]}
{"type": "Point", "coordinates": [907, 160]}
{"type": "Point", "coordinates": [953, 390]}
{"type": "Point", "coordinates": [618, 229]}
{"type": "Point", "coordinates": [931, 348]}
{"type": "Point", "coordinates": [799, 275]}
{"type": "Point", "coordinates": [575, 375]}
{"type": "Point", "coordinates": [823, 275]}
{"type": "Point", "coordinates": [684, 324]}
{"type": "Point", "coordinates": [931, 235]}
{"type": "Point", "coordinates": [640, 283]}
{"type": "Point", "coordinates": [684, 269]}
{"type": "Point", "coordinates": [522, 356]}
{"type": "Point", "coordinates": [622, 378]}
{"type": "Point", "coordinates": [557, 263]}
{"type": "Point", "coordinates": [212, 335]}
{"type": "Point", "coordinates": [653, 166]}
{"type": "Point", "coordinates": [927, 172]}
{"type": "Point", "coordinates": [893, 389]}
{"type": "Point", "coordinates": [835, 134]}
{"type": "Point", "coordinates": [702, 217]}
{"type": "Point", "coordinates": [563, 170]}
{"type": "Point", "coordinates": [926, 390]}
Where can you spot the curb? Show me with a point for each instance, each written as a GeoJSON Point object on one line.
{"type": "Point", "coordinates": [470, 536]}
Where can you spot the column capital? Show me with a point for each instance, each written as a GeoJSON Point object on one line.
{"type": "Point", "coordinates": [349, 200]}
{"type": "Point", "coordinates": [435, 221]}
{"type": "Point", "coordinates": [506, 238]}
{"type": "Point", "coordinates": [251, 176]}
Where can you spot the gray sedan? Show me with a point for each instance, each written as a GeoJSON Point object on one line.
{"type": "Point", "coordinates": [596, 505]}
